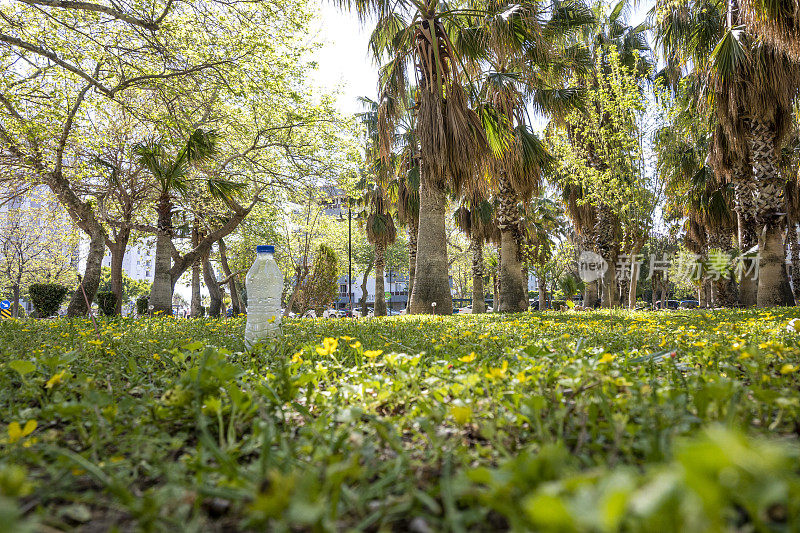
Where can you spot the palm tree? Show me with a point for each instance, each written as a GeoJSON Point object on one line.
{"type": "Point", "coordinates": [171, 173]}
{"type": "Point", "coordinates": [413, 37]}
{"type": "Point", "coordinates": [700, 197]}
{"type": "Point", "coordinates": [474, 217]}
{"type": "Point", "coordinates": [751, 86]}
{"type": "Point", "coordinates": [523, 60]}
{"type": "Point", "coordinates": [381, 233]}
{"type": "Point", "coordinates": [777, 23]}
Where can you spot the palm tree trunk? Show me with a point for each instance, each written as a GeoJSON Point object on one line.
{"type": "Point", "coordinates": [380, 296]}
{"type": "Point", "coordinates": [794, 254]}
{"type": "Point", "coordinates": [413, 229]}
{"type": "Point", "coordinates": [431, 277]}
{"type": "Point", "coordinates": [771, 268]}
{"type": "Point", "coordinates": [161, 291]}
{"type": "Point", "coordinates": [91, 276]}
{"type": "Point", "coordinates": [513, 297]}
{"type": "Point", "coordinates": [364, 292]}
{"type": "Point", "coordinates": [769, 206]}
{"type": "Point", "coordinates": [513, 289]}
{"type": "Point", "coordinates": [478, 301]}
{"type": "Point", "coordinates": [748, 285]}
{"type": "Point", "coordinates": [722, 293]}
{"type": "Point", "coordinates": [590, 295]}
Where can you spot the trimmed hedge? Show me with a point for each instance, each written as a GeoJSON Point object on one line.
{"type": "Point", "coordinates": [47, 298]}
{"type": "Point", "coordinates": [107, 302]}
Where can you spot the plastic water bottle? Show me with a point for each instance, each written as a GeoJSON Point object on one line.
{"type": "Point", "coordinates": [264, 282]}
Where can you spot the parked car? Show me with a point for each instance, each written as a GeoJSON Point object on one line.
{"type": "Point", "coordinates": [671, 304]}
{"type": "Point", "coordinates": [689, 304]}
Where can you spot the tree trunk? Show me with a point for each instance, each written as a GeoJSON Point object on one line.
{"type": "Point", "coordinates": [769, 207]}
{"type": "Point", "coordinates": [431, 279]}
{"type": "Point", "coordinates": [634, 282]}
{"type": "Point", "coordinates": [213, 288]}
{"type": "Point", "coordinates": [478, 300]}
{"type": "Point", "coordinates": [496, 289]}
{"type": "Point", "coordinates": [771, 268]}
{"type": "Point", "coordinates": [299, 278]}
{"type": "Point", "coordinates": [15, 307]}
{"type": "Point", "coordinates": [118, 249]}
{"type": "Point", "coordinates": [236, 305]}
{"type": "Point", "coordinates": [413, 229]}
{"type": "Point", "coordinates": [748, 286]}
{"type": "Point", "coordinates": [540, 280]}
{"type": "Point", "coordinates": [513, 289]}
{"type": "Point", "coordinates": [196, 308]}
{"type": "Point", "coordinates": [794, 254]}
{"type": "Point", "coordinates": [722, 293]}
{"type": "Point", "coordinates": [590, 295]}
{"type": "Point", "coordinates": [91, 276]}
{"type": "Point", "coordinates": [656, 283]}
{"type": "Point", "coordinates": [606, 232]}
{"type": "Point", "coordinates": [196, 305]}
{"type": "Point", "coordinates": [513, 297]}
{"type": "Point", "coordinates": [702, 295]}
{"type": "Point", "coordinates": [380, 290]}
{"type": "Point", "coordinates": [161, 291]}
{"type": "Point", "coordinates": [364, 292]}
{"type": "Point", "coordinates": [609, 296]}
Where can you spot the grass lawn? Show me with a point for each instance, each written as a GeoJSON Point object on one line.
{"type": "Point", "coordinates": [602, 421]}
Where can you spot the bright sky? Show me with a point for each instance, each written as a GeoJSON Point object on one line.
{"type": "Point", "coordinates": [344, 61]}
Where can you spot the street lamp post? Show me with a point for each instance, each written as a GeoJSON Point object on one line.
{"type": "Point", "coordinates": [350, 254]}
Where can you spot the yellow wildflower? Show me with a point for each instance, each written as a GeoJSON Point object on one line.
{"type": "Point", "coordinates": [467, 358]}
{"type": "Point", "coordinates": [461, 413]}
{"type": "Point", "coordinates": [16, 432]}
{"type": "Point", "coordinates": [498, 373]}
{"type": "Point", "coordinates": [607, 358]}
{"type": "Point", "coordinates": [329, 346]}
{"type": "Point", "coordinates": [372, 354]}
{"type": "Point", "coordinates": [788, 369]}
{"type": "Point", "coordinates": [55, 380]}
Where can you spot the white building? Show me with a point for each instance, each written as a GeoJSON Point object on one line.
{"type": "Point", "coordinates": [139, 261]}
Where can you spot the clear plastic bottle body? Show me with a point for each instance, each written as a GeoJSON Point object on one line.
{"type": "Point", "coordinates": [264, 282]}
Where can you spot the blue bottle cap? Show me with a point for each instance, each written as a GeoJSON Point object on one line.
{"type": "Point", "coordinates": [265, 248]}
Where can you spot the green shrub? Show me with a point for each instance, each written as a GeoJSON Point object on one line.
{"type": "Point", "coordinates": [47, 298]}
{"type": "Point", "coordinates": [142, 305]}
{"type": "Point", "coordinates": [558, 304]}
{"type": "Point", "coordinates": [107, 302]}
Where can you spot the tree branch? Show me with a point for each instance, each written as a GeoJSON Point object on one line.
{"type": "Point", "coordinates": [55, 59]}
{"type": "Point", "coordinates": [62, 142]}
{"type": "Point", "coordinates": [86, 6]}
